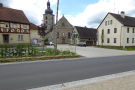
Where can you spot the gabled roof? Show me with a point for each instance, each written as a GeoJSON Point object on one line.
{"type": "Point", "coordinates": [13, 15]}
{"type": "Point", "coordinates": [127, 21]}
{"type": "Point", "coordinates": [86, 33]}
{"type": "Point", "coordinates": [33, 26]}
{"type": "Point", "coordinates": [63, 19]}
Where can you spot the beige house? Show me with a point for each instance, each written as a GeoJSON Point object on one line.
{"type": "Point", "coordinates": [34, 35]}
{"type": "Point", "coordinates": [14, 26]}
{"type": "Point", "coordinates": [117, 30]}
{"type": "Point", "coordinates": [84, 35]}
{"type": "Point", "coordinates": [64, 31]}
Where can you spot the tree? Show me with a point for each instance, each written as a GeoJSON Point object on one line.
{"type": "Point", "coordinates": [78, 37]}
{"type": "Point", "coordinates": [102, 36]}
{"type": "Point", "coordinates": [42, 32]}
{"type": "Point", "coordinates": [46, 40]}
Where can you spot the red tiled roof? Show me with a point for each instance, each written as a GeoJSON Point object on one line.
{"type": "Point", "coordinates": [13, 15]}
{"type": "Point", "coordinates": [33, 26]}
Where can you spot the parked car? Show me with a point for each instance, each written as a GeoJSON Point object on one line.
{"type": "Point", "coordinates": [82, 44]}
{"type": "Point", "coordinates": [49, 43]}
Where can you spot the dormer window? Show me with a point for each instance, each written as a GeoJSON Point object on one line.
{"type": "Point", "coordinates": [6, 25]}
{"type": "Point", "coordinates": [24, 27]}
{"type": "Point", "coordinates": [14, 26]}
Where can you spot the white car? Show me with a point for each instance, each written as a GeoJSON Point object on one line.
{"type": "Point", "coordinates": [51, 43]}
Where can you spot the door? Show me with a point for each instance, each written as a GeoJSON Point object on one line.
{"type": "Point", "coordinates": [5, 38]}
{"type": "Point", "coordinates": [63, 41]}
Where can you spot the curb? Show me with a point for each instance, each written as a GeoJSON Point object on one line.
{"type": "Point", "coordinates": [84, 82]}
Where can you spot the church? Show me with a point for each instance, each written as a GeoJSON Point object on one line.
{"type": "Point", "coordinates": [64, 28]}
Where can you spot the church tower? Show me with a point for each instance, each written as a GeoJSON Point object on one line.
{"type": "Point", "coordinates": [49, 17]}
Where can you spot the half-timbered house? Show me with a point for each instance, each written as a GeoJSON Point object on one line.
{"type": "Point", "coordinates": [14, 26]}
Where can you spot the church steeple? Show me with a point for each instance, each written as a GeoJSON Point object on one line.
{"type": "Point", "coordinates": [48, 5]}
{"type": "Point", "coordinates": [48, 10]}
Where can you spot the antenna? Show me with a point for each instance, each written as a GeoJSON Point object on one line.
{"type": "Point", "coordinates": [114, 6]}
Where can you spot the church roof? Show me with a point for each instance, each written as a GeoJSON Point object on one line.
{"type": "Point", "coordinates": [86, 33]}
{"type": "Point", "coordinates": [13, 15]}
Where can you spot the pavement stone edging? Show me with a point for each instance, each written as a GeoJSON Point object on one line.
{"type": "Point", "coordinates": [84, 82]}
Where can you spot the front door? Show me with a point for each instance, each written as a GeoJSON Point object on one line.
{"type": "Point", "coordinates": [63, 41]}
{"type": "Point", "coordinates": [5, 38]}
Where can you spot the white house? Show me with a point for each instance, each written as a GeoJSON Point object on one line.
{"type": "Point", "coordinates": [116, 30]}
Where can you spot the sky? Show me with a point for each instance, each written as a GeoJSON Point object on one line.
{"type": "Point", "coordinates": [89, 13]}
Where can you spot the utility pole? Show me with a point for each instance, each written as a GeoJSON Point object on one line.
{"type": "Point", "coordinates": [56, 26]}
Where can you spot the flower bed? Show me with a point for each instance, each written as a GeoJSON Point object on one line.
{"type": "Point", "coordinates": [37, 58]}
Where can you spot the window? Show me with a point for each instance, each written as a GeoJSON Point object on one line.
{"type": "Point", "coordinates": [20, 37]}
{"type": "Point", "coordinates": [108, 40]}
{"type": "Point", "coordinates": [127, 30]}
{"type": "Point", "coordinates": [63, 24]}
{"type": "Point", "coordinates": [69, 35]}
{"type": "Point", "coordinates": [114, 40]}
{"type": "Point", "coordinates": [111, 22]}
{"type": "Point", "coordinates": [46, 22]}
{"type": "Point", "coordinates": [127, 40]}
{"type": "Point", "coordinates": [14, 26]}
{"type": "Point", "coordinates": [52, 22]}
{"type": "Point", "coordinates": [115, 30]}
{"type": "Point", "coordinates": [57, 34]}
{"type": "Point", "coordinates": [108, 31]}
{"type": "Point", "coordinates": [133, 30]}
{"type": "Point", "coordinates": [132, 40]}
{"type": "Point", "coordinates": [46, 17]}
{"type": "Point", "coordinates": [52, 18]}
{"type": "Point", "coordinates": [63, 34]}
{"type": "Point", "coordinates": [108, 22]}
{"type": "Point", "coordinates": [6, 25]}
{"type": "Point", "coordinates": [24, 27]}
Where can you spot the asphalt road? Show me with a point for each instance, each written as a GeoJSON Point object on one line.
{"type": "Point", "coordinates": [37, 74]}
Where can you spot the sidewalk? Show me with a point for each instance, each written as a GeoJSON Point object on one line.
{"type": "Point", "coordinates": [119, 81]}
{"type": "Point", "coordinates": [122, 83]}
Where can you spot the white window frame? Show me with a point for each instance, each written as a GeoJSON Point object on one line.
{"type": "Point", "coordinates": [6, 24]}
{"type": "Point", "coordinates": [14, 25]}
{"type": "Point", "coordinates": [24, 26]}
{"type": "Point", "coordinates": [20, 37]}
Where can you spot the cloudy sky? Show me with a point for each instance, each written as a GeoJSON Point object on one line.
{"type": "Point", "coordinates": [78, 12]}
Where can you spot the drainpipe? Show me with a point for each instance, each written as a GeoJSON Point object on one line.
{"type": "Point", "coordinates": [120, 35]}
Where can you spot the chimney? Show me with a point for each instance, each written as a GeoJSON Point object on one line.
{"type": "Point", "coordinates": [1, 5]}
{"type": "Point", "coordinates": [122, 14]}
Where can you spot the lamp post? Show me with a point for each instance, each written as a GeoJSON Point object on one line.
{"type": "Point", "coordinates": [75, 41]}
{"type": "Point", "coordinates": [56, 26]}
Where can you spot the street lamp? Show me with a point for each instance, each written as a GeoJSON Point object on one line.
{"type": "Point", "coordinates": [75, 41]}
